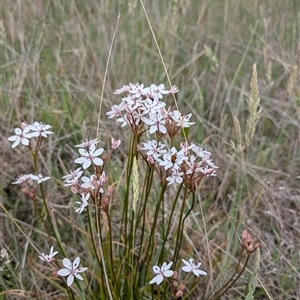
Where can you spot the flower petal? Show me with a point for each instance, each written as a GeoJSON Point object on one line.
{"type": "Point", "coordinates": [156, 269]}
{"type": "Point", "coordinates": [79, 270]}
{"type": "Point", "coordinates": [76, 263]}
{"type": "Point", "coordinates": [63, 272]}
{"type": "Point", "coordinates": [67, 263]}
{"type": "Point", "coordinates": [78, 276]}
{"type": "Point", "coordinates": [70, 280]}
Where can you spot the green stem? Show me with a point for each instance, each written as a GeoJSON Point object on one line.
{"type": "Point", "coordinates": [94, 244]}
{"type": "Point", "coordinates": [169, 224]}
{"type": "Point", "coordinates": [143, 214]}
{"type": "Point", "coordinates": [181, 224]}
{"type": "Point", "coordinates": [111, 255]}
{"type": "Point", "coordinates": [153, 227]}
{"type": "Point", "coordinates": [56, 234]}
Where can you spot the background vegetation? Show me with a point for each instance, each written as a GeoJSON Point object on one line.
{"type": "Point", "coordinates": [52, 59]}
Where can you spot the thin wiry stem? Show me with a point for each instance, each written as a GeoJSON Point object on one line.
{"type": "Point", "coordinates": [161, 58]}
{"type": "Point", "coordinates": [207, 243]}
{"type": "Point", "coordinates": [105, 75]}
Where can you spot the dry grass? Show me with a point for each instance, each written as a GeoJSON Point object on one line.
{"type": "Point", "coordinates": [53, 56]}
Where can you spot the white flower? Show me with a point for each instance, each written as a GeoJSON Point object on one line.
{"type": "Point", "coordinates": [90, 156]}
{"type": "Point", "coordinates": [72, 177]}
{"type": "Point", "coordinates": [88, 182]}
{"type": "Point", "coordinates": [136, 90]}
{"type": "Point", "coordinates": [191, 267]}
{"type": "Point", "coordinates": [87, 143]}
{"type": "Point", "coordinates": [174, 89]}
{"type": "Point", "coordinates": [48, 257]}
{"type": "Point", "coordinates": [156, 121]}
{"type": "Point", "coordinates": [116, 110]}
{"type": "Point", "coordinates": [205, 155]}
{"type": "Point", "coordinates": [22, 136]}
{"type": "Point", "coordinates": [175, 177]}
{"type": "Point", "coordinates": [155, 150]}
{"type": "Point", "coordinates": [162, 272]}
{"type": "Point", "coordinates": [173, 159]}
{"type": "Point", "coordinates": [40, 129]}
{"type": "Point", "coordinates": [83, 203]}
{"type": "Point", "coordinates": [22, 179]}
{"type": "Point", "coordinates": [71, 270]}
{"type": "Point", "coordinates": [39, 178]}
{"type": "Point", "coordinates": [124, 89]}
{"type": "Point", "coordinates": [158, 91]}
{"type": "Point", "coordinates": [152, 106]}
{"type": "Point", "coordinates": [182, 121]}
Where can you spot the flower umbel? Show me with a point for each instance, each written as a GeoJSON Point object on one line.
{"type": "Point", "coordinates": [71, 270]}
{"type": "Point", "coordinates": [161, 272]}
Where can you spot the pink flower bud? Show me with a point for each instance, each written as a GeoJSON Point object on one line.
{"type": "Point", "coordinates": [109, 190]}
{"type": "Point", "coordinates": [115, 144]}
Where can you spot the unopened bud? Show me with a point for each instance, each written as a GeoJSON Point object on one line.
{"type": "Point", "coordinates": [105, 204]}
{"type": "Point", "coordinates": [181, 287]}
{"type": "Point", "coordinates": [23, 125]}
{"type": "Point", "coordinates": [179, 294]}
{"type": "Point", "coordinates": [109, 190]}
{"type": "Point", "coordinates": [115, 144]}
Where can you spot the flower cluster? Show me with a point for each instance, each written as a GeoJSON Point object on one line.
{"type": "Point", "coordinates": [187, 165]}
{"type": "Point", "coordinates": [144, 106]}
{"type": "Point", "coordinates": [28, 131]}
{"type": "Point", "coordinates": [142, 109]}
{"type": "Point", "coordinates": [29, 178]}
{"type": "Point", "coordinates": [165, 271]}
{"type": "Point", "coordinates": [70, 269]}
{"type": "Point", "coordinates": [92, 185]}
{"type": "Point", "coordinates": [23, 135]}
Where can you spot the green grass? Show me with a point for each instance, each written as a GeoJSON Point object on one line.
{"type": "Point", "coordinates": [52, 58]}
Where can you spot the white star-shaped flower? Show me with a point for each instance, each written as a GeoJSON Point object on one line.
{"type": "Point", "coordinates": [21, 136]}
{"type": "Point", "coordinates": [90, 156]}
{"type": "Point", "coordinates": [162, 272]}
{"type": "Point", "coordinates": [40, 129]}
{"type": "Point", "coordinates": [191, 267]}
{"type": "Point", "coordinates": [83, 203]}
{"type": "Point", "coordinates": [48, 257]}
{"type": "Point", "coordinates": [71, 270]}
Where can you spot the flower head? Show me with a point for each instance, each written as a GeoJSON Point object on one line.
{"type": "Point", "coordinates": [191, 267]}
{"type": "Point", "coordinates": [162, 272]}
{"type": "Point", "coordinates": [71, 270]}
